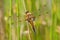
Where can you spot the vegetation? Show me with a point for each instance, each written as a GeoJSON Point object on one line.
{"type": "Point", "coordinates": [14, 27]}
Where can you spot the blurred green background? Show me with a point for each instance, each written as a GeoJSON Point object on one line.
{"type": "Point", "coordinates": [14, 27]}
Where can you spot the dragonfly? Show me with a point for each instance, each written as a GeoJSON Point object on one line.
{"type": "Point", "coordinates": [30, 18]}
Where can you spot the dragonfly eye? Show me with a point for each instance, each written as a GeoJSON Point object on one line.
{"type": "Point", "coordinates": [27, 12]}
